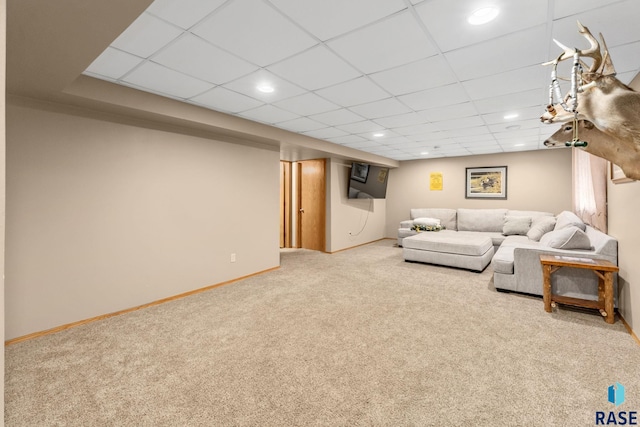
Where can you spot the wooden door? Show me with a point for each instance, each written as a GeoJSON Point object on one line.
{"type": "Point", "coordinates": [312, 210]}
{"type": "Point", "coordinates": [285, 204]}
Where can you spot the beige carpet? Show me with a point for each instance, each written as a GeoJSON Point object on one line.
{"type": "Point", "coordinates": [355, 338]}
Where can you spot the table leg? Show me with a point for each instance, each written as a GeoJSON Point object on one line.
{"type": "Point", "coordinates": [608, 296]}
{"type": "Point", "coordinates": [601, 288]}
{"type": "Point", "coordinates": [546, 287]}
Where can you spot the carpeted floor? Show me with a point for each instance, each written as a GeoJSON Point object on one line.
{"type": "Point", "coordinates": [355, 338]}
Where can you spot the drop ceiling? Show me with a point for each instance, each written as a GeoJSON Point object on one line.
{"type": "Point", "coordinates": [403, 79]}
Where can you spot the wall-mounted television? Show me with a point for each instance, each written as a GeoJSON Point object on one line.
{"type": "Point", "coordinates": [367, 181]}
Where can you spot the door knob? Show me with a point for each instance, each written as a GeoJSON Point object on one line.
{"type": "Point", "coordinates": [301, 210]}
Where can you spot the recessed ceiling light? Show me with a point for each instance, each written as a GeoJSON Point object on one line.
{"type": "Point", "coordinates": [265, 88]}
{"type": "Point", "coordinates": [483, 15]}
{"type": "Point", "coordinates": [378, 135]}
{"type": "Point", "coordinates": [518, 145]}
{"type": "Point", "coordinates": [510, 116]}
{"type": "Point", "coordinates": [424, 153]}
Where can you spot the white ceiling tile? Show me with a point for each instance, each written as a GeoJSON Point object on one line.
{"type": "Point", "coordinates": [145, 36]}
{"type": "Point", "coordinates": [614, 21]}
{"type": "Point", "coordinates": [337, 117]}
{"type": "Point", "coordinates": [269, 114]}
{"type": "Point", "coordinates": [361, 127]}
{"type": "Point", "coordinates": [223, 99]}
{"type": "Point", "coordinates": [625, 57]}
{"type": "Point", "coordinates": [434, 137]}
{"type": "Point", "coordinates": [524, 127]}
{"type": "Point", "coordinates": [315, 68]}
{"type": "Point", "coordinates": [513, 102]}
{"type": "Point", "coordinates": [447, 20]}
{"type": "Point", "coordinates": [436, 97]}
{"type": "Point", "coordinates": [329, 18]}
{"type": "Point", "coordinates": [510, 136]}
{"type": "Point", "coordinates": [523, 114]}
{"type": "Point", "coordinates": [387, 135]}
{"type": "Point", "coordinates": [626, 78]}
{"type": "Point", "coordinates": [460, 123]}
{"type": "Point", "coordinates": [394, 142]}
{"type": "Point", "coordinates": [254, 31]}
{"type": "Point", "coordinates": [499, 55]}
{"type": "Point", "coordinates": [485, 150]}
{"type": "Point", "coordinates": [326, 133]}
{"type": "Point", "coordinates": [476, 140]}
{"type": "Point", "coordinates": [506, 83]}
{"type": "Point", "coordinates": [384, 108]}
{"type": "Point", "coordinates": [448, 112]}
{"type": "Point", "coordinates": [353, 92]}
{"type": "Point", "coordinates": [347, 139]}
{"type": "Point", "coordinates": [301, 124]}
{"type": "Point", "coordinates": [248, 85]}
{"type": "Point", "coordinates": [194, 56]}
{"type": "Point", "coordinates": [426, 128]}
{"type": "Point", "coordinates": [307, 104]}
{"type": "Point", "coordinates": [183, 13]}
{"type": "Point", "coordinates": [401, 120]}
{"type": "Point", "coordinates": [113, 63]}
{"type": "Point", "coordinates": [416, 76]}
{"type": "Point", "coordinates": [566, 8]}
{"type": "Point", "coordinates": [159, 79]}
{"type": "Point", "coordinates": [386, 44]}
{"type": "Point", "coordinates": [468, 131]}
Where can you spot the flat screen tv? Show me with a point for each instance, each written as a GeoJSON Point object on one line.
{"type": "Point", "coordinates": [367, 181]}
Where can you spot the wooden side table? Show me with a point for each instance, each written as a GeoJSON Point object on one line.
{"type": "Point", "coordinates": [602, 268]}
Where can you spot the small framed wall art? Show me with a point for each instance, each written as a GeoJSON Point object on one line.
{"type": "Point", "coordinates": [486, 183]}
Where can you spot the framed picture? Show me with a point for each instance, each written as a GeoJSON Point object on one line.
{"type": "Point", "coordinates": [486, 183]}
{"type": "Point", "coordinates": [617, 176]}
{"type": "Point", "coordinates": [360, 172]}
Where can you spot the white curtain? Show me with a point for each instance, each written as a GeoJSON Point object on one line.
{"type": "Point", "coordinates": [590, 189]}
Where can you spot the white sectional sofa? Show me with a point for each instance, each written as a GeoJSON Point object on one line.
{"type": "Point", "coordinates": [519, 238]}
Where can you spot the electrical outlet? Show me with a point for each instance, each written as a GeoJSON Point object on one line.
{"type": "Point", "coordinates": [233, 257]}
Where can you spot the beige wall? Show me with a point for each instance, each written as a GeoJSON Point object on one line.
{"type": "Point", "coordinates": [536, 180]}
{"type": "Point", "coordinates": [103, 216]}
{"type": "Point", "coordinates": [3, 61]}
{"type": "Point", "coordinates": [624, 205]}
{"type": "Point", "coordinates": [351, 222]}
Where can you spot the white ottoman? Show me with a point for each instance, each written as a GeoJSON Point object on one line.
{"type": "Point", "coordinates": [450, 248]}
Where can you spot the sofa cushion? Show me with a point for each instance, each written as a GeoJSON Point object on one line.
{"type": "Point", "coordinates": [449, 242]}
{"type": "Point", "coordinates": [481, 219]}
{"type": "Point", "coordinates": [518, 225]}
{"type": "Point", "coordinates": [567, 219]}
{"type": "Point", "coordinates": [428, 222]}
{"type": "Point", "coordinates": [540, 226]}
{"type": "Point", "coordinates": [566, 238]}
{"type": "Point", "coordinates": [532, 214]}
{"type": "Point", "coordinates": [447, 217]}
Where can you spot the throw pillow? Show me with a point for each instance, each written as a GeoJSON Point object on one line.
{"type": "Point", "coordinates": [518, 225]}
{"type": "Point", "coordinates": [429, 222]}
{"type": "Point", "coordinates": [567, 219]}
{"type": "Point", "coordinates": [566, 238]}
{"type": "Point", "coordinates": [540, 226]}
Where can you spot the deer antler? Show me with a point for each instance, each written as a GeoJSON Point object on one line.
{"type": "Point", "coordinates": [592, 52]}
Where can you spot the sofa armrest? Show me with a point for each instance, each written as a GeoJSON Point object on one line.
{"type": "Point", "coordinates": [406, 223]}
{"type": "Point", "coordinates": [573, 282]}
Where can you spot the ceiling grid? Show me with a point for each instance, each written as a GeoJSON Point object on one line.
{"type": "Point", "coordinates": [404, 79]}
